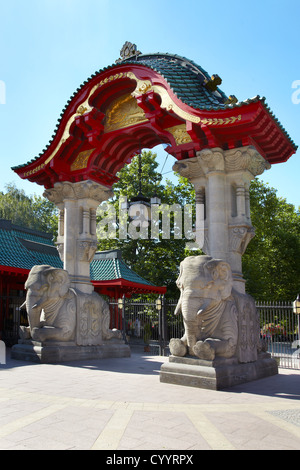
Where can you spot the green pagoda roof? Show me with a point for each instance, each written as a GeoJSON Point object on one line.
{"type": "Point", "coordinates": [186, 79]}
{"type": "Point", "coordinates": [108, 265]}
{"type": "Point", "coordinates": [22, 248]}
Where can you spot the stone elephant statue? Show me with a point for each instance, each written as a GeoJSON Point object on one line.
{"type": "Point", "coordinates": [56, 312]}
{"type": "Point", "coordinates": [208, 308]}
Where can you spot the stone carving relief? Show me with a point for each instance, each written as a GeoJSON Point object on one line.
{"type": "Point", "coordinates": [245, 159]}
{"type": "Point", "coordinates": [217, 320]}
{"type": "Point", "coordinates": [86, 249]}
{"type": "Point", "coordinates": [80, 190]}
{"type": "Point", "coordinates": [211, 160]}
{"type": "Point", "coordinates": [240, 237]}
{"type": "Point", "coordinates": [93, 327]}
{"type": "Point", "coordinates": [57, 312]}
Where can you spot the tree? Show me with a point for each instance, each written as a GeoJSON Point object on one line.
{"type": "Point", "coordinates": [156, 260]}
{"type": "Point", "coordinates": [34, 212]}
{"type": "Point", "coordinates": [271, 264]}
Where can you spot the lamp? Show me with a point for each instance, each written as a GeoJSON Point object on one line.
{"type": "Point", "coordinates": [139, 207]}
{"type": "Point", "coordinates": [120, 303]}
{"type": "Point", "coordinates": [296, 305]}
{"type": "Point", "coordinates": [158, 303]}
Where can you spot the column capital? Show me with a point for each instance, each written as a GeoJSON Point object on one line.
{"type": "Point", "coordinates": [80, 190]}
{"type": "Point", "coordinates": [189, 168]}
{"type": "Point", "coordinates": [241, 160]}
{"type": "Point", "coordinates": [245, 159]}
{"type": "Point", "coordinates": [211, 160]}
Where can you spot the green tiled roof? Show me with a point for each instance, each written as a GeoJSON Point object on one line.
{"type": "Point", "coordinates": [186, 79]}
{"type": "Point", "coordinates": [108, 266]}
{"type": "Point", "coordinates": [24, 248]}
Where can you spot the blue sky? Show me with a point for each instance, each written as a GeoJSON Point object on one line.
{"type": "Point", "coordinates": [49, 47]}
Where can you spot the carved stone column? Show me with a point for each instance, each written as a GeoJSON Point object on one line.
{"type": "Point", "coordinates": [224, 177]}
{"type": "Point", "coordinates": [77, 240]}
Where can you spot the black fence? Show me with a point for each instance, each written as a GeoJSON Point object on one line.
{"type": "Point", "coordinates": [280, 329]}
{"type": "Point", "coordinates": [11, 317]}
{"type": "Point", "coordinates": [148, 325]}
{"type": "Point", "coordinates": [144, 323]}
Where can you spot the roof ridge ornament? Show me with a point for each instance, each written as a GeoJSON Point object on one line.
{"type": "Point", "coordinates": [128, 50]}
{"type": "Point", "coordinates": [213, 83]}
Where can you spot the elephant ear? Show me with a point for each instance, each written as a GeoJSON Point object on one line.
{"type": "Point", "coordinates": [179, 279]}
{"type": "Point", "coordinates": [61, 277]}
{"type": "Point", "coordinates": [224, 271]}
{"type": "Point", "coordinates": [221, 275]}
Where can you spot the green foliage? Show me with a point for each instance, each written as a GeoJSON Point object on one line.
{"type": "Point", "coordinates": [155, 260]}
{"type": "Point", "coordinates": [34, 212]}
{"type": "Point", "coordinates": [271, 264]}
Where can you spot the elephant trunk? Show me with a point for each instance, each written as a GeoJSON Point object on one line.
{"type": "Point", "coordinates": [190, 306]}
{"type": "Point", "coordinates": [33, 308]}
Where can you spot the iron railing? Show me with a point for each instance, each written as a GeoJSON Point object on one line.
{"type": "Point", "coordinates": [148, 327]}
{"type": "Point", "coordinates": [280, 329]}
{"type": "Point", "coordinates": [11, 317]}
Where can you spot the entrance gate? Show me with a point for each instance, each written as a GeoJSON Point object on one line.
{"type": "Point", "coordinates": [220, 145]}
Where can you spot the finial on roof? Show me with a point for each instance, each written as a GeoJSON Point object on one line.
{"type": "Point", "coordinates": [231, 100]}
{"type": "Point", "coordinates": [213, 83]}
{"type": "Point", "coordinates": [128, 50]}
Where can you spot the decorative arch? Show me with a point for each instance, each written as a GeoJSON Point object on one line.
{"type": "Point", "coordinates": [148, 100]}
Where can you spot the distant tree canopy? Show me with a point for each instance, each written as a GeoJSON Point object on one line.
{"type": "Point", "coordinates": [271, 264]}
{"type": "Point", "coordinates": [155, 260]}
{"type": "Point", "coordinates": [34, 212]}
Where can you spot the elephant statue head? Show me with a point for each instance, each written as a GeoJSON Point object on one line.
{"type": "Point", "coordinates": [208, 309]}
{"type": "Point", "coordinates": [50, 304]}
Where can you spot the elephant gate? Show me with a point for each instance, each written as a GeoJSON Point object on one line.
{"type": "Point", "coordinates": [219, 143]}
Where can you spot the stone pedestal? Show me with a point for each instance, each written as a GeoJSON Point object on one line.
{"type": "Point", "coordinates": [219, 374]}
{"type": "Point", "coordinates": [57, 352]}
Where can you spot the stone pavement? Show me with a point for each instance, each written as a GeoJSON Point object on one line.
{"type": "Point", "coordinates": [120, 404]}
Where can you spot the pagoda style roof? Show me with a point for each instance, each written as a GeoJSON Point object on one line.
{"type": "Point", "coordinates": [109, 271]}
{"type": "Point", "coordinates": [145, 100]}
{"type": "Point", "coordinates": [22, 248]}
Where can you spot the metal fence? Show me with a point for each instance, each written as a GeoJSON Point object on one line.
{"type": "Point", "coordinates": [148, 325]}
{"type": "Point", "coordinates": [143, 324]}
{"type": "Point", "coordinates": [11, 317]}
{"type": "Point", "coordinates": [280, 328]}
